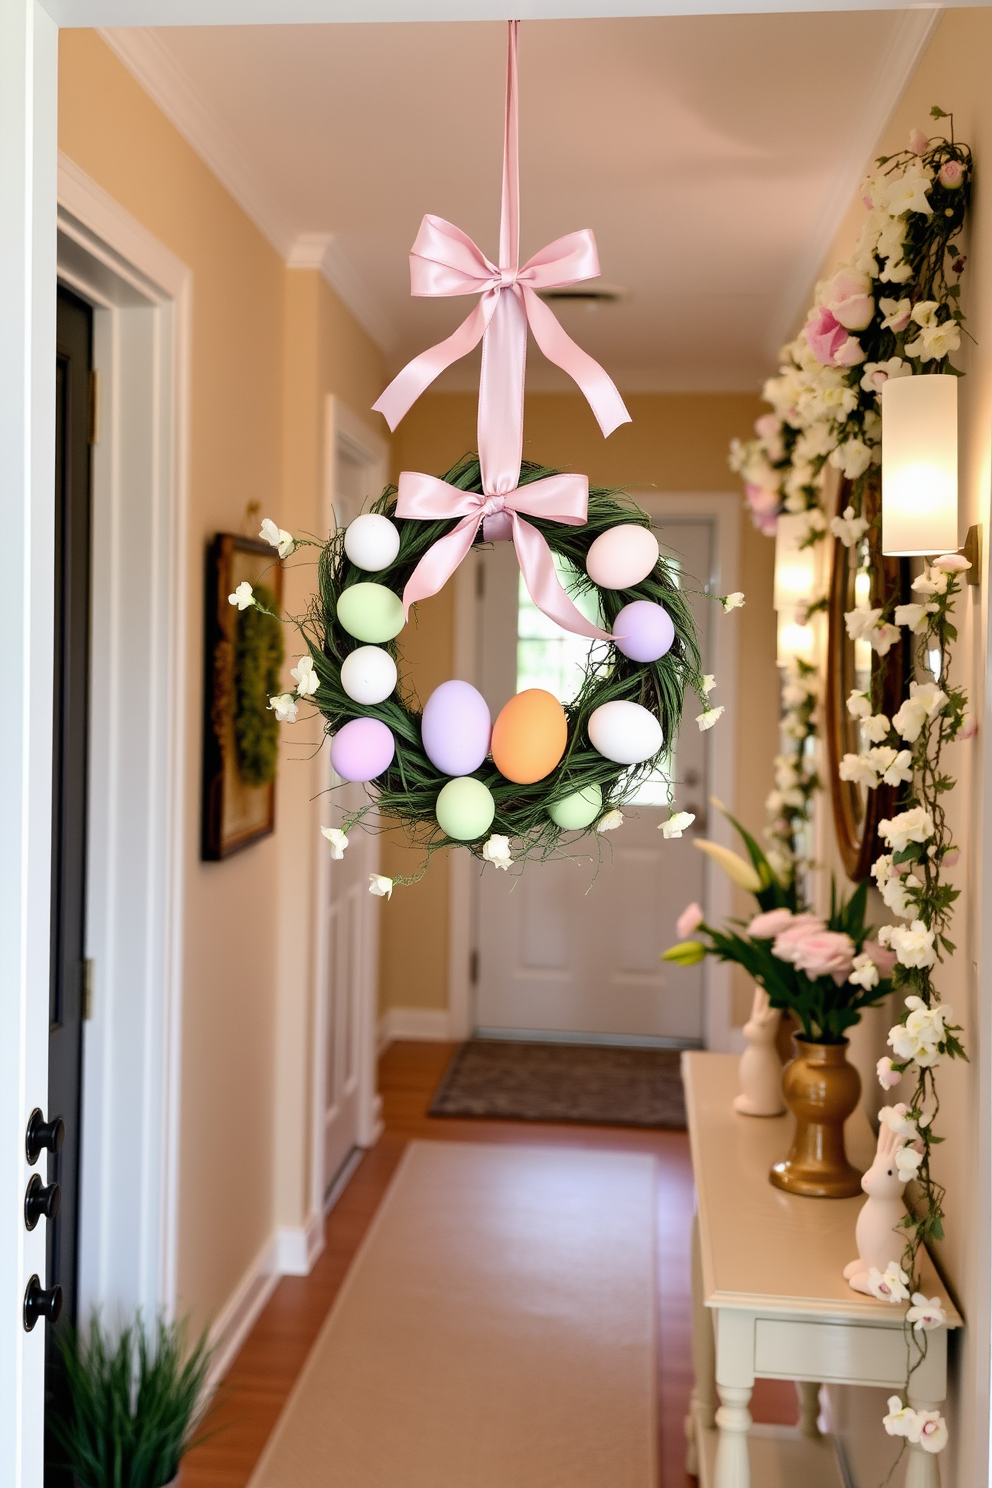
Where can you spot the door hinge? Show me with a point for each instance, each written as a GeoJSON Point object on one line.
{"type": "Point", "coordinates": [93, 434]}
{"type": "Point", "coordinates": [473, 968]}
{"type": "Point", "coordinates": [86, 1000]}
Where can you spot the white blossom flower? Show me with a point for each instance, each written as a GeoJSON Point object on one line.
{"type": "Point", "coordinates": [852, 459]}
{"type": "Point", "coordinates": [732, 601]}
{"type": "Point", "coordinates": [926, 1313]}
{"type": "Point", "coordinates": [933, 581]}
{"type": "Point", "coordinates": [305, 677]}
{"type": "Point", "coordinates": [877, 727]}
{"type": "Point", "coordinates": [858, 769]}
{"type": "Point", "coordinates": [709, 718]}
{"type": "Point", "coordinates": [949, 563]}
{"type": "Point", "coordinates": [935, 341]}
{"type": "Point", "coordinates": [888, 1076]}
{"type": "Point", "coordinates": [380, 886]}
{"type": "Point", "coordinates": [883, 638]}
{"type": "Point", "coordinates": [677, 823]}
{"type": "Point", "coordinates": [877, 374]}
{"type": "Point", "coordinates": [894, 766]}
{"type": "Point", "coordinates": [930, 1430]}
{"type": "Point", "coordinates": [859, 705]}
{"type": "Point", "coordinates": [914, 825]}
{"type": "Point", "coordinates": [901, 1419]}
{"type": "Point", "coordinates": [896, 315]}
{"type": "Point", "coordinates": [889, 1285]}
{"type": "Point", "coordinates": [497, 851]}
{"type": "Point", "coordinates": [242, 596]}
{"type": "Point", "coordinates": [337, 839]}
{"type": "Point", "coordinates": [277, 537]}
{"type": "Point", "coordinates": [907, 1162]}
{"type": "Point", "coordinates": [860, 623]}
{"type": "Point", "coordinates": [284, 707]}
{"type": "Point", "coordinates": [908, 193]}
{"type": "Point", "coordinates": [913, 945]}
{"type": "Point", "coordinates": [920, 1037]}
{"type": "Point", "coordinates": [900, 895]}
{"type": "Point", "coordinates": [709, 682]}
{"type": "Point", "coordinates": [848, 528]}
{"type": "Point", "coordinates": [914, 616]}
{"type": "Point", "coordinates": [610, 821]}
{"type": "Point", "coordinates": [865, 973]}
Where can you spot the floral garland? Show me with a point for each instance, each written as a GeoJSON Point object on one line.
{"type": "Point", "coordinates": [790, 804]}
{"type": "Point", "coordinates": [907, 750]}
{"type": "Point", "coordinates": [892, 311]}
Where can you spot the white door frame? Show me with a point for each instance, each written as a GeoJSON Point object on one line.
{"type": "Point", "coordinates": [131, 1048]}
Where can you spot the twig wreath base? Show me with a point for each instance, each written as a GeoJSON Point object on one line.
{"type": "Point", "coordinates": [407, 791]}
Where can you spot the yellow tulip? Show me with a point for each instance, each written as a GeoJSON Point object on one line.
{"type": "Point", "coordinates": [733, 865]}
{"type": "Point", "coordinates": [686, 953]}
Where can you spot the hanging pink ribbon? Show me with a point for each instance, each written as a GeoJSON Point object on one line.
{"type": "Point", "coordinates": [556, 498]}
{"type": "Point", "coordinates": [445, 261]}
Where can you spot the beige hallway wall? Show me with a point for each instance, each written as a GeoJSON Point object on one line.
{"type": "Point", "coordinates": [267, 345]}
{"type": "Point", "coordinates": [676, 442]}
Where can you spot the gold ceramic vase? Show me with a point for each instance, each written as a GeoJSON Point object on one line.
{"type": "Point", "coordinates": [821, 1090]}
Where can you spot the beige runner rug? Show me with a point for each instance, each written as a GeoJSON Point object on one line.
{"type": "Point", "coordinates": [496, 1330]}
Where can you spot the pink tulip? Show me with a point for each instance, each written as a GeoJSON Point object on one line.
{"type": "Point", "coordinates": [771, 923]}
{"type": "Point", "coordinates": [951, 174]}
{"type": "Point", "coordinates": [883, 959]}
{"type": "Point", "coordinates": [918, 141]}
{"type": "Point", "coordinates": [690, 919]}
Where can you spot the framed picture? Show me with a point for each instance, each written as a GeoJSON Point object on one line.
{"type": "Point", "coordinates": [243, 663]}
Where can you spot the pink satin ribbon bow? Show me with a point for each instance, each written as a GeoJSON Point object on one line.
{"type": "Point", "coordinates": [445, 261]}
{"type": "Point", "coordinates": [557, 498]}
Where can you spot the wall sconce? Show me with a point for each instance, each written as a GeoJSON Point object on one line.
{"type": "Point", "coordinates": [794, 640]}
{"type": "Point", "coordinates": [920, 465]}
{"type": "Point", "coordinates": [796, 573]}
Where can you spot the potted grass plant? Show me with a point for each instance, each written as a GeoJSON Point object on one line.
{"type": "Point", "coordinates": [136, 1404]}
{"type": "Point", "coordinates": [825, 970]}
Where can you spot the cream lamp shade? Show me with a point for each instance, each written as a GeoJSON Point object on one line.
{"type": "Point", "coordinates": [920, 465]}
{"type": "Point", "coordinates": [795, 566]}
{"type": "Point", "coordinates": [795, 641]}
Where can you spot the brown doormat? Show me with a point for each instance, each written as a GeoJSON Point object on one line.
{"type": "Point", "coordinates": [601, 1086]}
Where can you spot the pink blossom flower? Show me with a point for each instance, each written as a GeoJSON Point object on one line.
{"type": "Point", "coordinates": [760, 499]}
{"type": "Point", "coordinates": [771, 923]}
{"type": "Point", "coordinates": [969, 727]}
{"type": "Point", "coordinates": [888, 1077]}
{"type": "Point", "coordinates": [818, 953]}
{"type": "Point", "coordinates": [850, 299]}
{"type": "Point", "coordinates": [825, 335]}
{"type": "Point", "coordinates": [951, 563]}
{"type": "Point", "coordinates": [951, 174]}
{"type": "Point", "coordinates": [690, 919]}
{"type": "Point", "coordinates": [767, 426]}
{"type": "Point", "coordinates": [798, 926]}
{"type": "Point", "coordinates": [950, 859]}
{"type": "Point", "coordinates": [883, 959]}
{"type": "Point", "coordinates": [918, 141]}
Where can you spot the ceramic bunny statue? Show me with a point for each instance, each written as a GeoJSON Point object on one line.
{"type": "Point", "coordinates": [760, 1066]}
{"type": "Point", "coordinates": [877, 1231]}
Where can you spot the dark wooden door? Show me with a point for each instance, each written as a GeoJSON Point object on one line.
{"type": "Point", "coordinates": [68, 988]}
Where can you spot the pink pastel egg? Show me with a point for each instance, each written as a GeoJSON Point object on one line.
{"type": "Point", "coordinates": [456, 728]}
{"type": "Point", "coordinates": [622, 556]}
{"type": "Point", "coordinates": [643, 631]}
{"type": "Point", "coordinates": [362, 749]}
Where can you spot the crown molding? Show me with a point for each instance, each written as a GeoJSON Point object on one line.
{"type": "Point", "coordinates": [912, 34]}
{"type": "Point", "coordinates": [323, 251]}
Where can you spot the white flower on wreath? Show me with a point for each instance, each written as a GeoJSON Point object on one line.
{"type": "Point", "coordinates": [914, 616]}
{"type": "Point", "coordinates": [852, 459]}
{"type": "Point", "coordinates": [859, 705]}
{"type": "Point", "coordinates": [337, 839]}
{"type": "Point", "coordinates": [709, 718]}
{"type": "Point", "coordinates": [931, 581]}
{"type": "Point", "coordinates": [898, 890]}
{"type": "Point", "coordinates": [914, 825]}
{"type": "Point", "coordinates": [709, 682]}
{"type": "Point", "coordinates": [860, 623]}
{"type": "Point", "coordinates": [733, 601]}
{"type": "Point", "coordinates": [925, 700]}
{"type": "Point", "coordinates": [894, 766]}
{"type": "Point", "coordinates": [926, 1428]}
{"type": "Point", "coordinates": [901, 1419]}
{"type": "Point", "coordinates": [610, 821]}
{"type": "Point", "coordinates": [243, 596]}
{"type": "Point", "coordinates": [926, 1313]}
{"type": "Point", "coordinates": [677, 824]}
{"type": "Point", "coordinates": [848, 528]}
{"type": "Point", "coordinates": [284, 707]}
{"type": "Point", "coordinates": [913, 945]}
{"type": "Point", "coordinates": [865, 973]}
{"type": "Point", "coordinates": [497, 851]}
{"type": "Point", "coordinates": [277, 537]}
{"type": "Point", "coordinates": [858, 769]}
{"type": "Point", "coordinates": [877, 727]}
{"type": "Point", "coordinates": [889, 1285]}
{"type": "Point", "coordinates": [305, 677]}
{"type": "Point", "coordinates": [380, 886]}
{"type": "Point", "coordinates": [920, 1037]}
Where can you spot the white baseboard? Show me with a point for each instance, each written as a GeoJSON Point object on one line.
{"type": "Point", "coordinates": [297, 1247]}
{"type": "Point", "coordinates": [239, 1314]}
{"type": "Point", "coordinates": [427, 1025]}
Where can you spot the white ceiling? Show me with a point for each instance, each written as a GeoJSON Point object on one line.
{"type": "Point", "coordinates": [713, 156]}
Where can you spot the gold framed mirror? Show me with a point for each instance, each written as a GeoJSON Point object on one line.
{"type": "Point", "coordinates": [860, 577]}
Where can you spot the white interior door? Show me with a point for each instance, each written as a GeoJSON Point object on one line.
{"type": "Point", "coordinates": [571, 948]}
{"type": "Point", "coordinates": [347, 1106]}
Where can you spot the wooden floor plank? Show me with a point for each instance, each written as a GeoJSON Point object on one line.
{"type": "Point", "coordinates": [261, 1377]}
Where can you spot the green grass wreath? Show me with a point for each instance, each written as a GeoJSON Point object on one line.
{"type": "Point", "coordinates": [407, 791]}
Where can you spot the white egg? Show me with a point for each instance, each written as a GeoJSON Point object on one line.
{"type": "Point", "coordinates": [622, 556]}
{"type": "Point", "coordinates": [372, 542]}
{"type": "Point", "coordinates": [625, 733]}
{"type": "Point", "coordinates": [368, 675]}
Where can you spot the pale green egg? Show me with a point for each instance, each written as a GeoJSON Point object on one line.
{"type": "Point", "coordinates": [465, 809]}
{"type": "Point", "coordinates": [371, 613]}
{"type": "Point", "coordinates": [577, 810]}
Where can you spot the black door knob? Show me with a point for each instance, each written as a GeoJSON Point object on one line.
{"type": "Point", "coordinates": [43, 1135]}
{"type": "Point", "coordinates": [39, 1303]}
{"type": "Point", "coordinates": [41, 1201]}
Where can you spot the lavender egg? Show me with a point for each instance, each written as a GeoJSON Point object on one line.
{"type": "Point", "coordinates": [362, 749]}
{"type": "Point", "coordinates": [456, 728]}
{"type": "Point", "coordinates": [643, 631]}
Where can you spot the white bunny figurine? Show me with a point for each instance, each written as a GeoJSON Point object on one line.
{"type": "Point", "coordinates": [877, 1229]}
{"type": "Point", "coordinates": [760, 1067]}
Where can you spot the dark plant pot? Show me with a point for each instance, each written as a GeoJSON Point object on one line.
{"type": "Point", "coordinates": [821, 1090]}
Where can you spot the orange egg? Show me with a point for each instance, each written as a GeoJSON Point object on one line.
{"type": "Point", "coordinates": [529, 736]}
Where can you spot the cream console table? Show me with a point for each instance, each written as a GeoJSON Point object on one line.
{"type": "Point", "coordinates": [770, 1300]}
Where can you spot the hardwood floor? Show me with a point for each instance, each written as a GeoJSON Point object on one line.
{"type": "Point", "coordinates": [264, 1372]}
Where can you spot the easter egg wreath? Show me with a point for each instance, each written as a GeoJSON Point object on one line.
{"type": "Point", "coordinates": [439, 800]}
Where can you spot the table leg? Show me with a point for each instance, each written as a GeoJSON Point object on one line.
{"type": "Point", "coordinates": [733, 1464]}
{"type": "Point", "coordinates": [809, 1409]}
{"type": "Point", "coordinates": [922, 1468]}
{"type": "Point", "coordinates": [703, 1402]}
